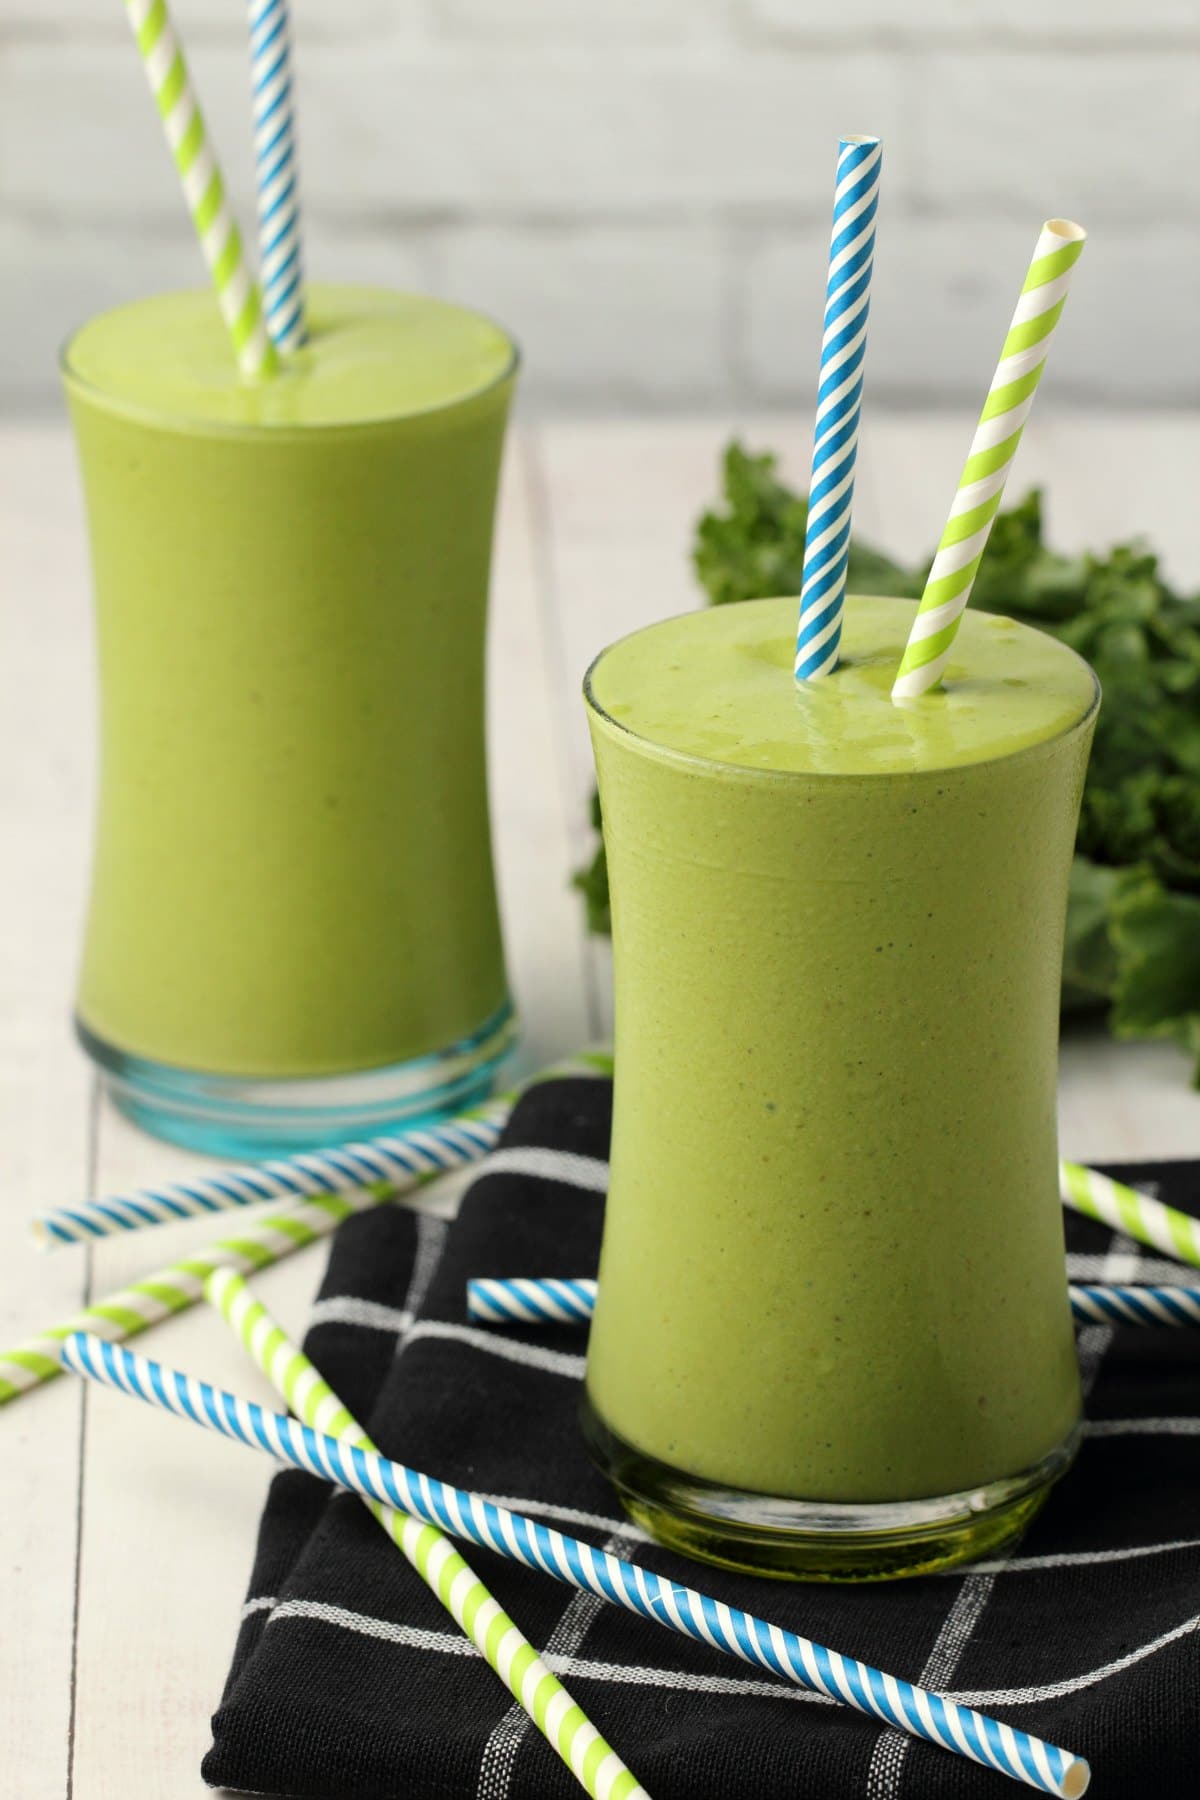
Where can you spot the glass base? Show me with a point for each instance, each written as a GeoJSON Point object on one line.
{"type": "Point", "coordinates": [804, 1540]}
{"type": "Point", "coordinates": [249, 1116]}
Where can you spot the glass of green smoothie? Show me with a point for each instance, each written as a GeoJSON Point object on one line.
{"type": "Point", "coordinates": [293, 935]}
{"type": "Point", "coordinates": [832, 1338]}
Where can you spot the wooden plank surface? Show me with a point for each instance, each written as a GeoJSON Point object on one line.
{"type": "Point", "coordinates": [45, 1087]}
{"type": "Point", "coordinates": [109, 1695]}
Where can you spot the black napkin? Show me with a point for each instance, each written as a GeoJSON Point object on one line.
{"type": "Point", "coordinates": [349, 1682]}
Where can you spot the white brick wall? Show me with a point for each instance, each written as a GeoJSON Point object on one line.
{"type": "Point", "coordinates": [1083, 22]}
{"type": "Point", "coordinates": [640, 189]}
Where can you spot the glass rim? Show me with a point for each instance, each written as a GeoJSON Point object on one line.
{"type": "Point", "coordinates": [712, 764]}
{"type": "Point", "coordinates": [169, 419]}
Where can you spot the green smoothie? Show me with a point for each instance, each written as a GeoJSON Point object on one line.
{"type": "Point", "coordinates": [293, 873]}
{"type": "Point", "coordinates": [833, 1251]}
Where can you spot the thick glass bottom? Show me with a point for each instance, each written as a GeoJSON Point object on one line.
{"type": "Point", "coordinates": [802, 1540]}
{"type": "Point", "coordinates": [254, 1116]}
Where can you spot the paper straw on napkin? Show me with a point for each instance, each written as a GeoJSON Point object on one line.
{"type": "Point", "coordinates": [533, 1300]}
{"type": "Point", "coordinates": [530, 1300]}
{"type": "Point", "coordinates": [1122, 1304]}
{"type": "Point", "coordinates": [885, 1699]}
{"type": "Point", "coordinates": [981, 484]}
{"type": "Point", "coordinates": [595, 1765]}
{"type": "Point", "coordinates": [1123, 1208]}
{"type": "Point", "coordinates": [275, 173]}
{"type": "Point", "coordinates": [203, 185]}
{"type": "Point", "coordinates": [839, 404]}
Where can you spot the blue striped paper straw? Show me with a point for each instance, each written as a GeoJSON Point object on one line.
{"type": "Point", "coordinates": [533, 1300]}
{"type": "Point", "coordinates": [883, 1698]}
{"type": "Point", "coordinates": [528, 1300]}
{"type": "Point", "coordinates": [839, 403]}
{"type": "Point", "coordinates": [275, 172]}
{"type": "Point", "coordinates": [401, 1161]}
{"type": "Point", "coordinates": [1124, 1305]}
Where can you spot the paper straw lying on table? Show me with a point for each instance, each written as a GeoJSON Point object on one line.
{"type": "Point", "coordinates": [883, 1698]}
{"type": "Point", "coordinates": [1123, 1208]}
{"type": "Point", "coordinates": [343, 1169]}
{"type": "Point", "coordinates": [203, 185]}
{"type": "Point", "coordinates": [530, 1300]}
{"type": "Point", "coordinates": [981, 484]}
{"type": "Point", "coordinates": [399, 1161]}
{"type": "Point", "coordinates": [569, 1732]}
{"type": "Point", "coordinates": [180, 1284]}
{"type": "Point", "coordinates": [279, 245]}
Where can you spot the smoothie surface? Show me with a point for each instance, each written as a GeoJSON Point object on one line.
{"type": "Point", "coordinates": [719, 685]}
{"type": "Point", "coordinates": [371, 355]}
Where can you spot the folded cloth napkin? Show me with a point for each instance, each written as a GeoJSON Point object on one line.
{"type": "Point", "coordinates": [349, 1682]}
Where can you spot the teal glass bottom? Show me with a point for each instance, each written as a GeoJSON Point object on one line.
{"type": "Point", "coordinates": [241, 1116]}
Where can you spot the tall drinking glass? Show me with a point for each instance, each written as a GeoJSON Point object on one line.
{"type": "Point", "coordinates": [293, 934]}
{"type": "Point", "coordinates": [833, 1338]}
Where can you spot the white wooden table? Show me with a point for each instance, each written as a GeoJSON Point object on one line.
{"type": "Point", "coordinates": [129, 1537]}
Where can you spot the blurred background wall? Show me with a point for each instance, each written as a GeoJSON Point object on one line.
{"type": "Point", "coordinates": [641, 188]}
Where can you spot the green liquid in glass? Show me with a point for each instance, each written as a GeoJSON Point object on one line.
{"type": "Point", "coordinates": [292, 871]}
{"type": "Point", "coordinates": [833, 1251]}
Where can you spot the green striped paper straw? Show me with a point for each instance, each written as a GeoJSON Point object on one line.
{"type": "Point", "coordinates": [1122, 1208]}
{"type": "Point", "coordinates": [981, 484]}
{"type": "Point", "coordinates": [568, 1731]}
{"type": "Point", "coordinates": [180, 1284]}
{"type": "Point", "coordinates": [203, 185]}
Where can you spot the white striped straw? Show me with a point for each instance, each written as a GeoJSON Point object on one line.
{"type": "Point", "coordinates": [530, 1300]}
{"type": "Point", "coordinates": [885, 1699]}
{"type": "Point", "coordinates": [1126, 1209]}
{"type": "Point", "coordinates": [839, 407]}
{"type": "Point", "coordinates": [993, 448]}
{"type": "Point", "coordinates": [566, 1727]}
{"type": "Point", "coordinates": [399, 1160]}
{"type": "Point", "coordinates": [1126, 1305]}
{"type": "Point", "coordinates": [341, 1169]}
{"type": "Point", "coordinates": [203, 184]}
{"type": "Point", "coordinates": [258, 1244]}
{"type": "Point", "coordinates": [130, 1310]}
{"type": "Point", "coordinates": [276, 174]}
